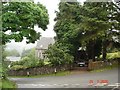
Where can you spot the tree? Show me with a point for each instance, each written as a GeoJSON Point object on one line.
{"type": "Point", "coordinates": [66, 26]}
{"type": "Point", "coordinates": [86, 26]}
{"type": "Point", "coordinates": [98, 22]}
{"type": "Point", "coordinates": [57, 56]}
{"type": "Point", "coordinates": [25, 52]}
{"type": "Point", "coordinates": [3, 64]}
{"type": "Point", "coordinates": [19, 18]}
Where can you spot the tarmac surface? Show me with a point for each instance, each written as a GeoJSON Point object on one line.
{"type": "Point", "coordinates": [74, 80]}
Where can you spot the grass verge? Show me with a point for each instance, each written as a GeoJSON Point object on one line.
{"type": "Point", "coordinates": [62, 73]}
{"type": "Point", "coordinates": [6, 84]}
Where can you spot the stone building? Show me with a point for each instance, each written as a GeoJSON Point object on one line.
{"type": "Point", "coordinates": [42, 45]}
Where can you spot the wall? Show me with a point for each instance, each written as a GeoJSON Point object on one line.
{"type": "Point", "coordinates": [49, 70]}
{"type": "Point", "coordinates": [37, 70]}
{"type": "Point", "coordinates": [100, 64]}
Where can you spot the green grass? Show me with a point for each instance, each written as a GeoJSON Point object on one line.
{"type": "Point", "coordinates": [112, 55]}
{"type": "Point", "coordinates": [6, 84]}
{"type": "Point", "coordinates": [62, 73]}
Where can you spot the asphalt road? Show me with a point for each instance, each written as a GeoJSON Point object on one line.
{"type": "Point", "coordinates": [76, 80]}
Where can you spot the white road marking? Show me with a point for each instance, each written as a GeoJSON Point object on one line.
{"type": "Point", "coordinates": [68, 85]}
{"type": "Point", "coordinates": [115, 85]}
{"type": "Point", "coordinates": [43, 85]}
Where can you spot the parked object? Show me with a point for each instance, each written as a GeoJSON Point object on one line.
{"type": "Point", "coordinates": [28, 74]}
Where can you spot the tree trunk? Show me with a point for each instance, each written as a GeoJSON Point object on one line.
{"type": "Point", "coordinates": [93, 51]}
{"type": "Point", "coordinates": [104, 51]}
{"type": "Point", "coordinates": [90, 50]}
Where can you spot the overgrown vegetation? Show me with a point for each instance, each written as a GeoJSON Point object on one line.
{"type": "Point", "coordinates": [93, 26]}
{"type": "Point", "coordinates": [58, 56]}
{"type": "Point", "coordinates": [112, 55]}
{"type": "Point", "coordinates": [6, 84]}
{"type": "Point", "coordinates": [20, 18]}
{"type": "Point", "coordinates": [28, 61]}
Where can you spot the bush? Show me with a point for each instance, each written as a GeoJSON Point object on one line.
{"type": "Point", "coordinates": [58, 56]}
{"type": "Point", "coordinates": [27, 62]}
{"type": "Point", "coordinates": [113, 55]}
{"type": "Point", "coordinates": [6, 84]}
{"type": "Point", "coordinates": [17, 67]}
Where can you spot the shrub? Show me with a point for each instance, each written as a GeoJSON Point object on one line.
{"type": "Point", "coordinates": [113, 55]}
{"type": "Point", "coordinates": [27, 62]}
{"type": "Point", "coordinates": [17, 67]}
{"type": "Point", "coordinates": [58, 56]}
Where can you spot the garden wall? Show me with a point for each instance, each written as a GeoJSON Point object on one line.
{"type": "Point", "coordinates": [101, 64]}
{"type": "Point", "coordinates": [48, 70]}
{"type": "Point", "coordinates": [37, 70]}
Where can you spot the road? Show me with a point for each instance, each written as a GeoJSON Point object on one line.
{"type": "Point", "coordinates": [76, 80]}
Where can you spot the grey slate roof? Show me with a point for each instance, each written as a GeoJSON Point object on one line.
{"type": "Point", "coordinates": [44, 42]}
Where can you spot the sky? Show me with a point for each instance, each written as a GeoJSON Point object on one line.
{"type": "Point", "coordinates": [51, 6]}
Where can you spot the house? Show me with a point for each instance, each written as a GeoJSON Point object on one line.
{"type": "Point", "coordinates": [42, 45]}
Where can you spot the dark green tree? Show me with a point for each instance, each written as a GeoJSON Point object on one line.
{"type": "Point", "coordinates": [98, 21]}
{"type": "Point", "coordinates": [87, 26]}
{"type": "Point", "coordinates": [19, 19]}
{"type": "Point", "coordinates": [67, 25]}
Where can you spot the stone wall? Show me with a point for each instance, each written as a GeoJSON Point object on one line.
{"type": "Point", "coordinates": [37, 70]}
{"type": "Point", "coordinates": [100, 64]}
{"type": "Point", "coordinates": [48, 70]}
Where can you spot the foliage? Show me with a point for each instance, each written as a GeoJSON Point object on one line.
{"type": "Point", "coordinates": [113, 55]}
{"type": "Point", "coordinates": [19, 18]}
{"type": "Point", "coordinates": [25, 52]}
{"type": "Point", "coordinates": [28, 61]}
{"type": "Point", "coordinates": [91, 25]}
{"type": "Point", "coordinates": [17, 67]}
{"type": "Point", "coordinates": [3, 64]}
{"type": "Point", "coordinates": [57, 56]}
{"type": "Point", "coordinates": [7, 84]}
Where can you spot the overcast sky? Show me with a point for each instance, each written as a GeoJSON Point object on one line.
{"type": "Point", "coordinates": [51, 7]}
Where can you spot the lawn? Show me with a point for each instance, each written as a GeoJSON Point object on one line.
{"type": "Point", "coordinates": [112, 55]}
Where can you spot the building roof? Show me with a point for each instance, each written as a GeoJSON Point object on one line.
{"type": "Point", "coordinates": [44, 42]}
